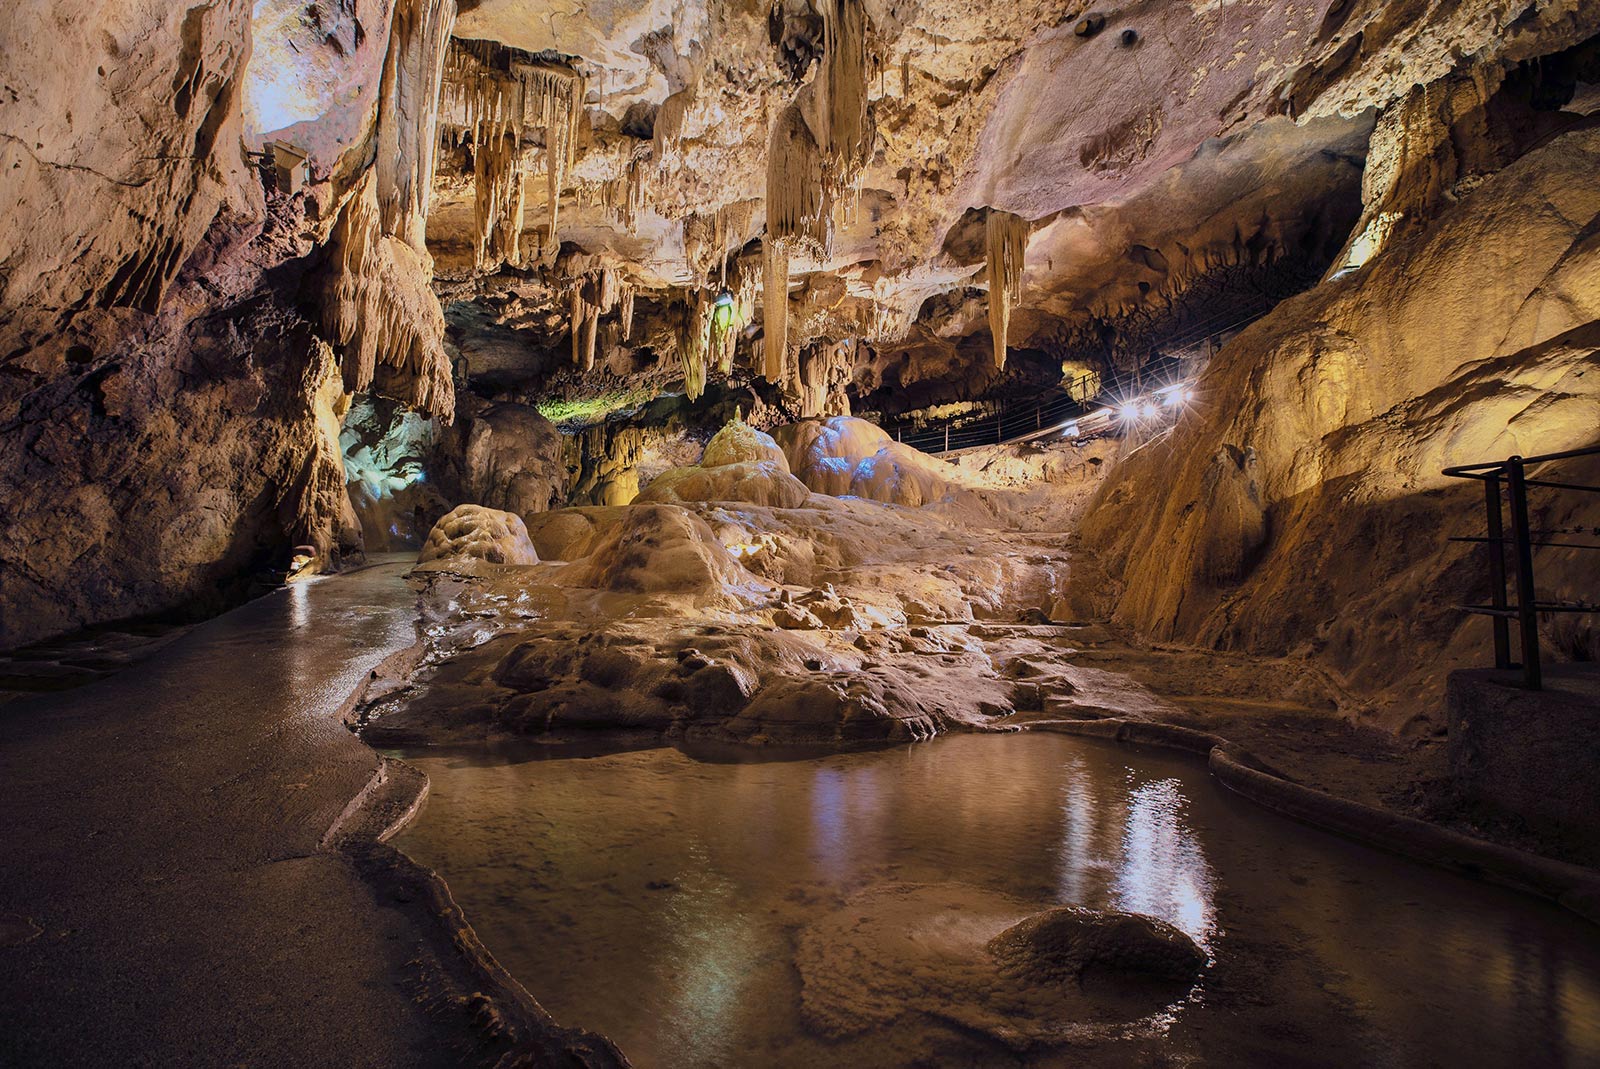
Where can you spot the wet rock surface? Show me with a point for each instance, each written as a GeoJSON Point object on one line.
{"type": "Point", "coordinates": [1071, 975]}
{"type": "Point", "coordinates": [842, 621]}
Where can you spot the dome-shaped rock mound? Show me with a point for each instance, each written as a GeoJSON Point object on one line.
{"type": "Point", "coordinates": [845, 456]}
{"type": "Point", "coordinates": [754, 483]}
{"type": "Point", "coordinates": [660, 548]}
{"type": "Point", "coordinates": [738, 442]}
{"type": "Point", "coordinates": [740, 463]}
{"type": "Point", "coordinates": [824, 453]}
{"type": "Point", "coordinates": [472, 532]}
{"type": "Point", "coordinates": [1070, 943]}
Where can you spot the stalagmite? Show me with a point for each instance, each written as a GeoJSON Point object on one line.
{"type": "Point", "coordinates": [1007, 241]}
{"type": "Point", "coordinates": [820, 377]}
{"type": "Point", "coordinates": [408, 111]}
{"type": "Point", "coordinates": [774, 308]}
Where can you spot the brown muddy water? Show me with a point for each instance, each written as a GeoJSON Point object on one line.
{"type": "Point", "coordinates": [722, 909]}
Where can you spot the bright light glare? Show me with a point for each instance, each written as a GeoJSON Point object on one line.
{"type": "Point", "coordinates": [1129, 411]}
{"type": "Point", "coordinates": [1149, 410]}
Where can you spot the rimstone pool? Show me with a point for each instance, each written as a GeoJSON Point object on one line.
{"type": "Point", "coordinates": [717, 909]}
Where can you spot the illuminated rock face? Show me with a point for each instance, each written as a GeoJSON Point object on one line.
{"type": "Point", "coordinates": [843, 455]}
{"type": "Point", "coordinates": [1302, 501]}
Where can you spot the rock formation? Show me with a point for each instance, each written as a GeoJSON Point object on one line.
{"type": "Point", "coordinates": [473, 533]}
{"type": "Point", "coordinates": [231, 230]}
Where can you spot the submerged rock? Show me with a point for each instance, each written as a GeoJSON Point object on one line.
{"type": "Point", "coordinates": [959, 955]}
{"type": "Point", "coordinates": [1063, 945]}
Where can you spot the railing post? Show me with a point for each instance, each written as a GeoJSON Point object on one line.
{"type": "Point", "coordinates": [946, 438]}
{"type": "Point", "coordinates": [1497, 570]}
{"type": "Point", "coordinates": [1527, 614]}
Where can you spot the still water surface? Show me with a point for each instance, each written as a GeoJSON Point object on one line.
{"type": "Point", "coordinates": [710, 911]}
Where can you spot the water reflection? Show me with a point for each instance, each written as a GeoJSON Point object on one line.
{"type": "Point", "coordinates": [660, 899]}
{"type": "Point", "coordinates": [1163, 871]}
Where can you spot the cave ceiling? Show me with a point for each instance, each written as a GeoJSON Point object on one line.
{"type": "Point", "coordinates": [1179, 166]}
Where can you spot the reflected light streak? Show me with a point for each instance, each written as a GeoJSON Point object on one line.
{"type": "Point", "coordinates": [1164, 871]}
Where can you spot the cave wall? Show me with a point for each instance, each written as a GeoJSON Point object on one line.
{"type": "Point", "coordinates": [1300, 509]}
{"type": "Point", "coordinates": [170, 398]}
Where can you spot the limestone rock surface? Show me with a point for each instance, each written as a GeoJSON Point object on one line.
{"type": "Point", "coordinates": [475, 533]}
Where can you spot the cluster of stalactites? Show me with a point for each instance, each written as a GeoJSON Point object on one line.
{"type": "Point", "coordinates": [798, 200]}
{"type": "Point", "coordinates": [593, 295]}
{"type": "Point", "coordinates": [1007, 243]}
{"type": "Point", "coordinates": [380, 311]}
{"type": "Point", "coordinates": [408, 113]}
{"type": "Point", "coordinates": [708, 239]}
{"type": "Point", "coordinates": [741, 285]}
{"type": "Point", "coordinates": [884, 321]}
{"type": "Point", "coordinates": [808, 174]}
{"type": "Point", "coordinates": [694, 341]}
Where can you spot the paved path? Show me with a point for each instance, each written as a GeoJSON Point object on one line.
{"type": "Point", "coordinates": [161, 829]}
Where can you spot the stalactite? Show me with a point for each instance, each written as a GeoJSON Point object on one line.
{"type": "Point", "coordinates": [699, 246]}
{"type": "Point", "coordinates": [774, 308]}
{"type": "Point", "coordinates": [625, 310]}
{"type": "Point", "coordinates": [1007, 241]}
{"type": "Point", "coordinates": [408, 111]}
{"type": "Point", "coordinates": [694, 342]}
{"type": "Point", "coordinates": [668, 131]}
{"type": "Point", "coordinates": [497, 201]}
{"type": "Point", "coordinates": [380, 313]}
{"type": "Point", "coordinates": [591, 321]}
{"type": "Point", "coordinates": [797, 199]}
{"type": "Point", "coordinates": [847, 134]}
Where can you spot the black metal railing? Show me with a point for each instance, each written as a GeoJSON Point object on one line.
{"type": "Point", "coordinates": [1085, 396]}
{"type": "Point", "coordinates": [1088, 399]}
{"type": "Point", "coordinates": [1509, 479]}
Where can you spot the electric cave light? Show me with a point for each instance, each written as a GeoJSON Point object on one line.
{"type": "Point", "coordinates": [722, 310]}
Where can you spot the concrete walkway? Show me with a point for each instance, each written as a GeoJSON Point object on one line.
{"type": "Point", "coordinates": [164, 900]}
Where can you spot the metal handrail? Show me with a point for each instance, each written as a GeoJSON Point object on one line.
{"type": "Point", "coordinates": [1513, 473]}
{"type": "Point", "coordinates": [1058, 405]}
